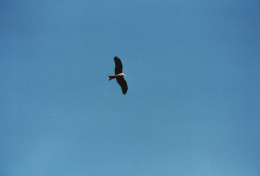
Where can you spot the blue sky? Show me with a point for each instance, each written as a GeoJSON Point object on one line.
{"type": "Point", "coordinates": [194, 93]}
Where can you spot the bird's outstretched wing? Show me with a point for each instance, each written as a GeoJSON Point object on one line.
{"type": "Point", "coordinates": [122, 82]}
{"type": "Point", "coordinates": [119, 66]}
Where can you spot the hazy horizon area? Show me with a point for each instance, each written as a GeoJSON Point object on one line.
{"type": "Point", "coordinates": [192, 107]}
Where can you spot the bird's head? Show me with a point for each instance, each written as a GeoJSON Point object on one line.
{"type": "Point", "coordinates": [121, 74]}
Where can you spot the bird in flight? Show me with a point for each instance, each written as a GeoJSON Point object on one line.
{"type": "Point", "coordinates": [119, 75]}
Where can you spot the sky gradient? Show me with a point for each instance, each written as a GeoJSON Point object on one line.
{"type": "Point", "coordinates": [192, 108]}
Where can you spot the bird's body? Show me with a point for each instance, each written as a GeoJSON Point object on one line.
{"type": "Point", "coordinates": [116, 76]}
{"type": "Point", "coordinates": [119, 75]}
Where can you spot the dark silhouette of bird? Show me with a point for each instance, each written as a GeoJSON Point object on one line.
{"type": "Point", "coordinates": [119, 75]}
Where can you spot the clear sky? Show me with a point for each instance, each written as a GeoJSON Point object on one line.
{"type": "Point", "coordinates": [193, 104]}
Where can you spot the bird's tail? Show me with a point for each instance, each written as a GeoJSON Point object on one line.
{"type": "Point", "coordinates": [111, 77]}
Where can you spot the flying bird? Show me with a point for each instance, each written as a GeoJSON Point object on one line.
{"type": "Point", "coordinates": [119, 75]}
